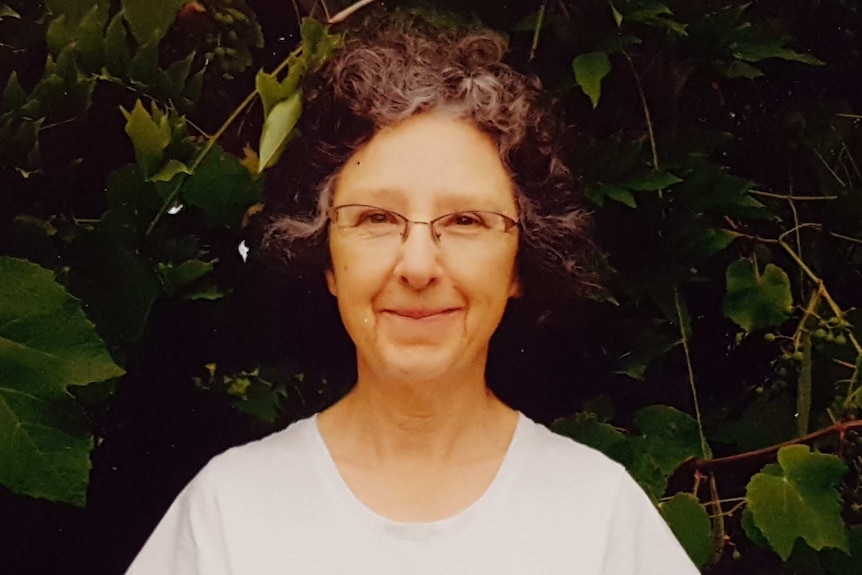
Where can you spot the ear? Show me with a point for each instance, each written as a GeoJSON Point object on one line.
{"type": "Point", "coordinates": [516, 290]}
{"type": "Point", "coordinates": [330, 282]}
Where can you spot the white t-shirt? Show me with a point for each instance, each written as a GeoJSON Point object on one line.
{"type": "Point", "coordinates": [279, 506]}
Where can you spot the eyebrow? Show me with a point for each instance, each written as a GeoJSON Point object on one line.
{"type": "Point", "coordinates": [448, 200]}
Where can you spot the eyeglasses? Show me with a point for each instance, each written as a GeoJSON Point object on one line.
{"type": "Point", "coordinates": [370, 222]}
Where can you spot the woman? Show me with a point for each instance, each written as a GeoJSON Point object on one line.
{"type": "Point", "coordinates": [439, 197]}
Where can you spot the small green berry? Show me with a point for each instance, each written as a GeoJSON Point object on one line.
{"type": "Point", "coordinates": [840, 339]}
{"type": "Point", "coordinates": [797, 356]}
{"type": "Point", "coordinates": [770, 337]}
{"type": "Point", "coordinates": [820, 333]}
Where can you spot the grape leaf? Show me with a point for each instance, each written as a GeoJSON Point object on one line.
{"type": "Point", "coordinates": [7, 12]}
{"type": "Point", "coordinates": [597, 193]}
{"type": "Point", "coordinates": [798, 498]}
{"type": "Point", "coordinates": [150, 135]}
{"type": "Point", "coordinates": [589, 71]}
{"type": "Point", "coordinates": [755, 301]}
{"type": "Point", "coordinates": [223, 188]}
{"type": "Point", "coordinates": [149, 20]}
{"type": "Point", "coordinates": [585, 428]}
{"type": "Point", "coordinates": [117, 55]}
{"type": "Point", "coordinates": [650, 181]}
{"type": "Point", "coordinates": [277, 129]}
{"type": "Point", "coordinates": [669, 435]}
{"type": "Point", "coordinates": [689, 521]}
{"type": "Point", "coordinates": [46, 345]}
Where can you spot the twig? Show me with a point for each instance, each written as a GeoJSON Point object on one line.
{"type": "Point", "coordinates": [791, 197]}
{"type": "Point", "coordinates": [704, 446]}
{"type": "Point", "coordinates": [347, 12]}
{"type": "Point", "coordinates": [537, 32]}
{"type": "Point", "coordinates": [833, 305]}
{"type": "Point", "coordinates": [828, 167]}
{"type": "Point", "coordinates": [646, 112]}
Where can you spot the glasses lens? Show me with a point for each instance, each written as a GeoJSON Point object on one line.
{"type": "Point", "coordinates": [368, 221]}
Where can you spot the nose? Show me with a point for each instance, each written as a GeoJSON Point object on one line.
{"type": "Point", "coordinates": [418, 263]}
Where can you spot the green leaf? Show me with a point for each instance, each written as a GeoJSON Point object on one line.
{"type": "Point", "coordinates": [272, 91]}
{"type": "Point", "coordinates": [757, 51]}
{"type": "Point", "coordinates": [618, 17]}
{"type": "Point", "coordinates": [651, 181]}
{"type": "Point", "coordinates": [585, 428]}
{"type": "Point", "coordinates": [597, 193]}
{"type": "Point", "coordinates": [647, 347]}
{"type": "Point", "coordinates": [149, 20]}
{"type": "Point", "coordinates": [689, 521]}
{"type": "Point", "coordinates": [277, 128]}
{"type": "Point", "coordinates": [590, 69]}
{"type": "Point", "coordinates": [150, 136]}
{"type": "Point", "coordinates": [317, 42]}
{"type": "Point", "coordinates": [755, 301]}
{"type": "Point", "coordinates": [223, 188]}
{"type": "Point", "coordinates": [169, 171]}
{"type": "Point", "coordinates": [739, 69]}
{"type": "Point", "coordinates": [7, 12]}
{"type": "Point", "coordinates": [705, 242]}
{"type": "Point", "coordinates": [14, 95]}
{"type": "Point", "coordinates": [116, 283]}
{"type": "Point", "coordinates": [178, 72]}
{"type": "Point", "coordinates": [118, 59]}
{"type": "Point", "coordinates": [46, 345]}
{"type": "Point", "coordinates": [798, 498]}
{"type": "Point", "coordinates": [669, 435]}
{"type": "Point", "coordinates": [176, 278]}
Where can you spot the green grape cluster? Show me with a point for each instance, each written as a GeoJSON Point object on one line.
{"type": "Point", "coordinates": [231, 32]}
{"type": "Point", "coordinates": [831, 330]}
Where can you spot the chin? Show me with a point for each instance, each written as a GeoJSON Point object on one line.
{"type": "Point", "coordinates": [419, 363]}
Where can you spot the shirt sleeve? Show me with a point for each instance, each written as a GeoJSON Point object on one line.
{"type": "Point", "coordinates": [639, 540]}
{"type": "Point", "coordinates": [189, 540]}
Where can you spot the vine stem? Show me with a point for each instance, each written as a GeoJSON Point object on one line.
{"type": "Point", "coordinates": [840, 427]}
{"type": "Point", "coordinates": [645, 107]}
{"type": "Point", "coordinates": [836, 309]}
{"type": "Point", "coordinates": [347, 12]}
{"type": "Point", "coordinates": [538, 31]}
{"type": "Point", "coordinates": [211, 141]}
{"type": "Point", "coordinates": [802, 341]}
{"type": "Point", "coordinates": [790, 197]}
{"type": "Point", "coordinates": [704, 447]}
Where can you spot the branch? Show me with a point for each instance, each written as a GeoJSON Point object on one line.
{"type": "Point", "coordinates": [347, 12]}
{"type": "Point", "coordinates": [791, 197]}
{"type": "Point", "coordinates": [537, 32]}
{"type": "Point", "coordinates": [841, 427]}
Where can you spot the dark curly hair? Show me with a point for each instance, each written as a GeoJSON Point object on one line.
{"type": "Point", "coordinates": [396, 65]}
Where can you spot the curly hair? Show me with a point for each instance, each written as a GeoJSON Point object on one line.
{"type": "Point", "coordinates": [398, 65]}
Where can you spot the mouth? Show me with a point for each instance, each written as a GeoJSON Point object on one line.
{"type": "Point", "coordinates": [419, 314]}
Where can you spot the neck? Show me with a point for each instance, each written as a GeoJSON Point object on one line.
{"type": "Point", "coordinates": [420, 419]}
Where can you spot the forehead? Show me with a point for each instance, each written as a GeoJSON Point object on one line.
{"type": "Point", "coordinates": [429, 160]}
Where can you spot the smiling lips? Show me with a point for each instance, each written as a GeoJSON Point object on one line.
{"type": "Point", "coordinates": [420, 313]}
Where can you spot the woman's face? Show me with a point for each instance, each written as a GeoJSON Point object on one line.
{"type": "Point", "coordinates": [417, 308]}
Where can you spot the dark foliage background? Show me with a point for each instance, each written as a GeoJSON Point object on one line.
{"type": "Point", "coordinates": [701, 132]}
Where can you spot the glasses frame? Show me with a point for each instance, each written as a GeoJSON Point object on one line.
{"type": "Point", "coordinates": [508, 221]}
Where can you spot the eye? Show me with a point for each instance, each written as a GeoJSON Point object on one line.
{"type": "Point", "coordinates": [376, 217]}
{"type": "Point", "coordinates": [465, 220]}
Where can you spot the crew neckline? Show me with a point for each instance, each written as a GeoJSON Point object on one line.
{"type": "Point", "coordinates": [322, 457]}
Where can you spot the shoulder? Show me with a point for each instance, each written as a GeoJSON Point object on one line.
{"type": "Point", "coordinates": [552, 453]}
{"type": "Point", "coordinates": [278, 456]}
